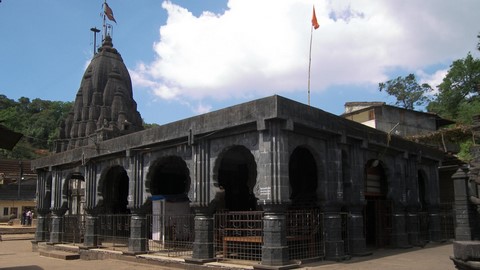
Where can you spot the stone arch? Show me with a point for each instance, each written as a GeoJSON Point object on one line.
{"type": "Point", "coordinates": [377, 208]}
{"type": "Point", "coordinates": [168, 176]}
{"type": "Point", "coordinates": [73, 192]}
{"type": "Point", "coordinates": [113, 188]}
{"type": "Point", "coordinates": [376, 184]}
{"type": "Point", "coordinates": [236, 174]}
{"type": "Point", "coordinates": [303, 178]}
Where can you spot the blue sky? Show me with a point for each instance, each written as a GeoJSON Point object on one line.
{"type": "Point", "coordinates": [189, 57]}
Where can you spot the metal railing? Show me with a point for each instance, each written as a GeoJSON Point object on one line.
{"type": "Point", "coordinates": [170, 235]}
{"type": "Point", "coordinates": [73, 228]}
{"type": "Point", "coordinates": [114, 231]}
{"type": "Point", "coordinates": [305, 237]}
{"type": "Point", "coordinates": [447, 220]}
{"type": "Point", "coordinates": [238, 235]}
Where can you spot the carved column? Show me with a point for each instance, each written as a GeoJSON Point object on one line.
{"type": "Point", "coordinates": [333, 202]}
{"type": "Point", "coordinates": [463, 209]}
{"type": "Point", "coordinates": [275, 248]}
{"type": "Point", "coordinates": [91, 219]}
{"type": "Point", "coordinates": [42, 230]}
{"type": "Point", "coordinates": [399, 237]}
{"type": "Point", "coordinates": [356, 232]}
{"type": "Point", "coordinates": [203, 245]}
{"type": "Point", "coordinates": [58, 209]}
{"type": "Point", "coordinates": [334, 244]}
{"type": "Point", "coordinates": [434, 223]}
{"type": "Point", "coordinates": [43, 206]}
{"type": "Point", "coordinates": [203, 248]}
{"type": "Point", "coordinates": [273, 183]}
{"type": "Point", "coordinates": [91, 231]}
{"type": "Point", "coordinates": [413, 226]}
{"type": "Point", "coordinates": [356, 203]}
{"type": "Point", "coordinates": [138, 241]}
{"type": "Point", "coordinates": [56, 233]}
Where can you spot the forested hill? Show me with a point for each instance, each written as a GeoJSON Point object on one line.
{"type": "Point", "coordinates": [38, 120]}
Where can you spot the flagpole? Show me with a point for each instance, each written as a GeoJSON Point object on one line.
{"type": "Point", "coordinates": [104, 21]}
{"type": "Point", "coordinates": [310, 63]}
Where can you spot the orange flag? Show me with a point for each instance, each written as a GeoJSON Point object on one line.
{"type": "Point", "coordinates": [109, 12]}
{"type": "Point", "coordinates": [314, 20]}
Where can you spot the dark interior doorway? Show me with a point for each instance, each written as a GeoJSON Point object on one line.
{"type": "Point", "coordinates": [115, 191]}
{"type": "Point", "coordinates": [303, 179]}
{"type": "Point", "coordinates": [422, 196]}
{"type": "Point", "coordinates": [170, 177]}
{"type": "Point", "coordinates": [237, 176]}
{"type": "Point", "coordinates": [377, 209]}
{"type": "Point", "coordinates": [75, 194]}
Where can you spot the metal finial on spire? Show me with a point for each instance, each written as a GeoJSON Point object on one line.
{"type": "Point", "coordinates": [95, 31]}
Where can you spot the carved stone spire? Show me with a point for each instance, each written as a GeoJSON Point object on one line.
{"type": "Point", "coordinates": [104, 106]}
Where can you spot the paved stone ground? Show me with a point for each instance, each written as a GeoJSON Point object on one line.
{"type": "Point", "coordinates": [16, 254]}
{"type": "Point", "coordinates": [432, 256]}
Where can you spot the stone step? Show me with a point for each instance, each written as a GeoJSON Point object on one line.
{"type": "Point", "coordinates": [57, 254]}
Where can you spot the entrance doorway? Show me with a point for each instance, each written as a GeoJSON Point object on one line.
{"type": "Point", "coordinates": [115, 191]}
{"type": "Point", "coordinates": [237, 176]}
{"type": "Point", "coordinates": [377, 212]}
{"type": "Point", "coordinates": [303, 179]}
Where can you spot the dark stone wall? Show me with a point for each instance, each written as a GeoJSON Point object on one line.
{"type": "Point", "coordinates": [270, 129]}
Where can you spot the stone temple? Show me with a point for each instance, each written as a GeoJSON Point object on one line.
{"type": "Point", "coordinates": [271, 181]}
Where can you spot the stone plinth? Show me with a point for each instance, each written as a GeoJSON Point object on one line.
{"type": "Point", "coordinates": [466, 254]}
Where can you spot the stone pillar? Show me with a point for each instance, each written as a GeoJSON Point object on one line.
{"type": "Point", "coordinates": [463, 209]}
{"type": "Point", "coordinates": [399, 237]}
{"type": "Point", "coordinates": [59, 207]}
{"type": "Point", "coordinates": [356, 232]}
{"type": "Point", "coordinates": [91, 219]}
{"type": "Point", "coordinates": [91, 232]}
{"type": "Point", "coordinates": [137, 243]}
{"type": "Point", "coordinates": [56, 232]}
{"type": "Point", "coordinates": [274, 249]}
{"type": "Point", "coordinates": [434, 225]}
{"type": "Point", "coordinates": [203, 248]}
{"type": "Point", "coordinates": [334, 245]}
{"type": "Point", "coordinates": [43, 199]}
{"type": "Point", "coordinates": [413, 226]}
{"type": "Point", "coordinates": [42, 230]}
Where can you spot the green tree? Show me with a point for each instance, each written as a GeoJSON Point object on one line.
{"type": "Point", "coordinates": [458, 96]}
{"type": "Point", "coordinates": [408, 92]}
{"type": "Point", "coordinates": [38, 120]}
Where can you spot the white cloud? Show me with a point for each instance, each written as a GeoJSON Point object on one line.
{"type": "Point", "coordinates": [433, 79]}
{"type": "Point", "coordinates": [262, 47]}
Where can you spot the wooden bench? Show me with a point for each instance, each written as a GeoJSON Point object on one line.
{"type": "Point", "coordinates": [239, 239]}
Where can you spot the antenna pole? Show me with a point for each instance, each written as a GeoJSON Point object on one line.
{"type": "Point", "coordinates": [95, 31]}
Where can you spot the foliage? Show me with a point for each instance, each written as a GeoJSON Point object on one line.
{"type": "Point", "coordinates": [147, 126]}
{"type": "Point", "coordinates": [38, 120]}
{"type": "Point", "coordinates": [458, 95]}
{"type": "Point", "coordinates": [407, 91]}
{"type": "Point", "coordinates": [465, 153]}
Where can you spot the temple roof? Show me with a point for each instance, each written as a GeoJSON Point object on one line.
{"type": "Point", "coordinates": [104, 107]}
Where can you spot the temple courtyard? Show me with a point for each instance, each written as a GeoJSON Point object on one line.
{"type": "Point", "coordinates": [16, 253]}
